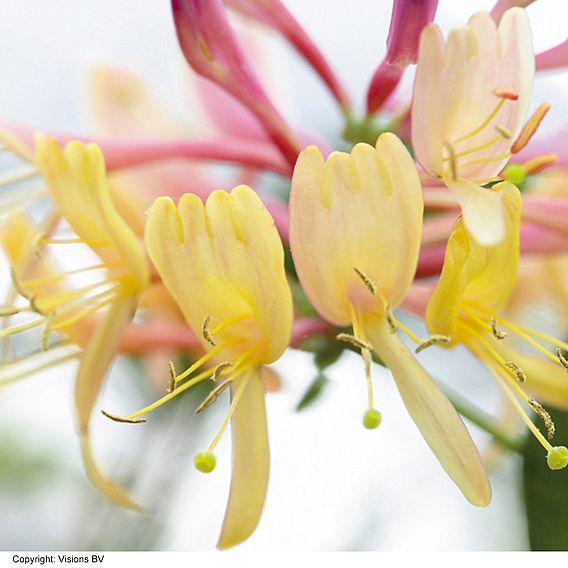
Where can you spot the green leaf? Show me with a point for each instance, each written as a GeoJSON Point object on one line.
{"type": "Point", "coordinates": [546, 492]}
{"type": "Point", "coordinates": [314, 392]}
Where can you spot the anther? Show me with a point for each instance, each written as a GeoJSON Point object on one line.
{"type": "Point", "coordinates": [372, 418]}
{"type": "Point", "coordinates": [506, 94]}
{"type": "Point", "coordinates": [538, 163]}
{"type": "Point", "coordinates": [212, 396]}
{"type": "Point", "coordinates": [545, 416]}
{"type": "Point", "coordinates": [37, 243]}
{"type": "Point", "coordinates": [348, 338]}
{"type": "Point", "coordinates": [561, 359]}
{"type": "Point", "coordinates": [453, 160]}
{"type": "Point", "coordinates": [497, 334]}
{"type": "Point", "coordinates": [205, 462]}
{"type": "Point", "coordinates": [219, 370]}
{"type": "Point", "coordinates": [503, 132]}
{"type": "Point", "coordinates": [366, 280]}
{"type": "Point", "coordinates": [46, 330]}
{"type": "Point", "coordinates": [530, 128]}
{"type": "Point", "coordinates": [173, 376]}
{"type": "Point", "coordinates": [433, 340]}
{"type": "Point", "coordinates": [517, 371]}
{"type": "Point", "coordinates": [205, 332]}
{"type": "Point", "coordinates": [122, 419]}
{"type": "Point", "coordinates": [557, 457]}
{"type": "Point", "coordinates": [391, 320]}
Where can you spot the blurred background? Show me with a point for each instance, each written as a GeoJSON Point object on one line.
{"type": "Point", "coordinates": [334, 485]}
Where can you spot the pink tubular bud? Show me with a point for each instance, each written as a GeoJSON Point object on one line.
{"type": "Point", "coordinates": [554, 57]}
{"type": "Point", "coordinates": [408, 18]}
{"type": "Point", "coordinates": [275, 15]}
{"type": "Point", "coordinates": [503, 5]}
{"type": "Point", "coordinates": [212, 49]}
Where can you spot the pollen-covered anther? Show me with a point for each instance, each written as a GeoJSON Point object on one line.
{"type": "Point", "coordinates": [354, 341]}
{"type": "Point", "coordinates": [206, 332]}
{"type": "Point", "coordinates": [545, 416]}
{"type": "Point", "coordinates": [219, 369]}
{"type": "Point", "coordinates": [506, 94]}
{"type": "Point", "coordinates": [122, 419]}
{"type": "Point", "coordinates": [453, 161]}
{"type": "Point", "coordinates": [46, 330]}
{"type": "Point", "coordinates": [366, 280]}
{"type": "Point", "coordinates": [497, 333]}
{"type": "Point", "coordinates": [561, 359]}
{"type": "Point", "coordinates": [530, 128]}
{"type": "Point", "coordinates": [173, 376]}
{"type": "Point", "coordinates": [212, 396]}
{"type": "Point", "coordinates": [433, 340]}
{"type": "Point", "coordinates": [517, 371]}
{"type": "Point", "coordinates": [538, 163]}
{"type": "Point", "coordinates": [503, 132]}
{"type": "Point", "coordinates": [391, 320]}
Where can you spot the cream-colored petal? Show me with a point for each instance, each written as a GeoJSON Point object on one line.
{"type": "Point", "coordinates": [94, 365]}
{"type": "Point", "coordinates": [250, 466]}
{"type": "Point", "coordinates": [482, 210]}
{"type": "Point", "coordinates": [433, 414]}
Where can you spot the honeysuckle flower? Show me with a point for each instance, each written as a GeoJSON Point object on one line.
{"type": "Point", "coordinates": [355, 226]}
{"type": "Point", "coordinates": [212, 49]}
{"type": "Point", "coordinates": [223, 263]}
{"type": "Point", "coordinates": [408, 18]}
{"type": "Point", "coordinates": [503, 5]}
{"type": "Point", "coordinates": [554, 57]}
{"type": "Point", "coordinates": [76, 182]}
{"type": "Point", "coordinates": [470, 100]}
{"type": "Point", "coordinates": [475, 283]}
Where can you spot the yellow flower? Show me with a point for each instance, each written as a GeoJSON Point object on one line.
{"type": "Point", "coordinates": [223, 263]}
{"type": "Point", "coordinates": [475, 283]}
{"type": "Point", "coordinates": [76, 181]}
{"type": "Point", "coordinates": [470, 99]}
{"type": "Point", "coordinates": [355, 228]}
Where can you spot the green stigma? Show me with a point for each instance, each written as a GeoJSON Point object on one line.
{"type": "Point", "coordinates": [515, 173]}
{"type": "Point", "coordinates": [205, 462]}
{"type": "Point", "coordinates": [371, 419]}
{"type": "Point", "coordinates": [557, 457]}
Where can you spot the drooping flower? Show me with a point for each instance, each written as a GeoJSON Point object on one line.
{"type": "Point", "coordinates": [475, 283]}
{"type": "Point", "coordinates": [355, 226]}
{"type": "Point", "coordinates": [470, 99]}
{"type": "Point", "coordinates": [223, 263]}
{"type": "Point", "coordinates": [76, 182]}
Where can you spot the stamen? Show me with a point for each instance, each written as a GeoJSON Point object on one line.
{"type": "Point", "coordinates": [538, 163]}
{"type": "Point", "coordinates": [173, 374]}
{"type": "Point", "coordinates": [121, 419]}
{"type": "Point", "coordinates": [488, 160]}
{"type": "Point", "coordinates": [92, 242]}
{"type": "Point", "coordinates": [7, 311]}
{"type": "Point", "coordinates": [391, 320]}
{"type": "Point", "coordinates": [87, 311]}
{"type": "Point", "coordinates": [473, 150]}
{"type": "Point", "coordinates": [366, 280]}
{"type": "Point", "coordinates": [23, 327]}
{"type": "Point", "coordinates": [16, 283]}
{"type": "Point", "coordinates": [212, 396]}
{"type": "Point", "coordinates": [491, 116]}
{"type": "Point", "coordinates": [232, 407]}
{"type": "Point", "coordinates": [354, 341]}
{"type": "Point", "coordinates": [453, 160]}
{"type": "Point", "coordinates": [497, 334]}
{"type": "Point", "coordinates": [506, 94]}
{"type": "Point", "coordinates": [563, 361]}
{"type": "Point", "coordinates": [517, 371]}
{"type": "Point", "coordinates": [228, 322]}
{"type": "Point", "coordinates": [206, 333]}
{"type": "Point", "coordinates": [530, 128]}
{"type": "Point", "coordinates": [46, 330]}
{"type": "Point", "coordinates": [503, 132]}
{"type": "Point", "coordinates": [545, 416]}
{"type": "Point", "coordinates": [203, 360]}
{"type": "Point", "coordinates": [220, 368]}
{"type": "Point", "coordinates": [433, 340]}
{"type": "Point", "coordinates": [60, 276]}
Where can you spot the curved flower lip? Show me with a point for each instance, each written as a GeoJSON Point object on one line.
{"type": "Point", "coordinates": [224, 259]}
{"type": "Point", "coordinates": [361, 211]}
{"type": "Point", "coordinates": [454, 93]}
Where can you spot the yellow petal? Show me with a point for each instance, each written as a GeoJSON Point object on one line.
{"type": "Point", "coordinates": [250, 466]}
{"type": "Point", "coordinates": [483, 275]}
{"type": "Point", "coordinates": [77, 181]}
{"type": "Point", "coordinates": [433, 414]}
{"type": "Point", "coordinates": [224, 260]}
{"type": "Point", "coordinates": [361, 211]}
{"type": "Point", "coordinates": [94, 365]}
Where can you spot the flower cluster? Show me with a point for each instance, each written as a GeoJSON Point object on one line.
{"type": "Point", "coordinates": [372, 232]}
